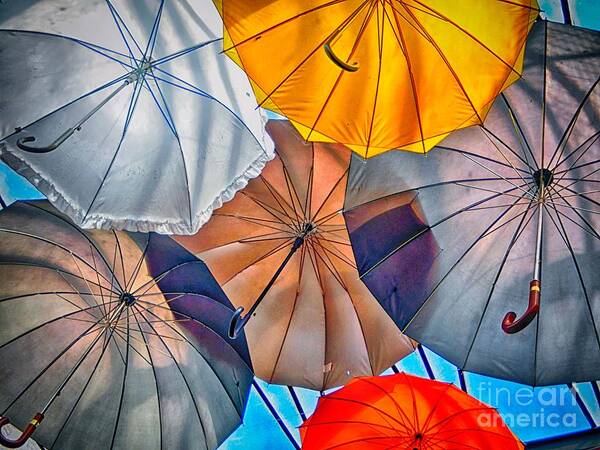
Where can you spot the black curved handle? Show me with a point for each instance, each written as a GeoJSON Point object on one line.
{"type": "Point", "coordinates": [336, 59]}
{"type": "Point", "coordinates": [237, 323]}
{"type": "Point", "coordinates": [21, 143]}
{"type": "Point", "coordinates": [25, 435]}
{"type": "Point", "coordinates": [511, 324]}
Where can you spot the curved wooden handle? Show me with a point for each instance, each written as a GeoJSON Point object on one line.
{"type": "Point", "coordinates": [25, 435]}
{"type": "Point", "coordinates": [336, 59]}
{"type": "Point", "coordinates": [511, 324]}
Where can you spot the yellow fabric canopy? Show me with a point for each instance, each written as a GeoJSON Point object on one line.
{"type": "Point", "coordinates": [377, 75]}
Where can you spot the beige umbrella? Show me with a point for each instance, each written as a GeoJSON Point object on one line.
{"type": "Point", "coordinates": [282, 240]}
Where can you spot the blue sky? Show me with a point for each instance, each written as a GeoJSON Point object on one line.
{"type": "Point", "coordinates": [554, 410]}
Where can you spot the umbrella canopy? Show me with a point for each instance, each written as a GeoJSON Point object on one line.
{"type": "Point", "coordinates": [506, 220]}
{"type": "Point", "coordinates": [377, 75]}
{"type": "Point", "coordinates": [93, 349]}
{"type": "Point", "coordinates": [128, 97]}
{"type": "Point", "coordinates": [282, 240]}
{"type": "Point", "coordinates": [405, 412]}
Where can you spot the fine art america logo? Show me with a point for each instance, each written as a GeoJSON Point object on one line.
{"type": "Point", "coordinates": [545, 407]}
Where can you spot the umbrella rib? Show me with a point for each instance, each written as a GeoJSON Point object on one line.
{"type": "Point", "coordinates": [132, 104]}
{"type": "Point", "coordinates": [522, 225]}
{"type": "Point", "coordinates": [155, 382]}
{"type": "Point", "coordinates": [118, 21]}
{"type": "Point", "coordinates": [268, 208]}
{"type": "Point", "coordinates": [192, 319]}
{"type": "Point", "coordinates": [545, 72]}
{"type": "Point", "coordinates": [359, 36]}
{"type": "Point", "coordinates": [31, 330]}
{"type": "Point", "coordinates": [54, 269]}
{"type": "Point", "coordinates": [507, 221]}
{"type": "Point", "coordinates": [329, 251]}
{"type": "Point", "coordinates": [518, 172]}
{"type": "Point", "coordinates": [486, 158]}
{"type": "Point", "coordinates": [118, 246]}
{"type": "Point", "coordinates": [48, 241]}
{"type": "Point", "coordinates": [124, 383]}
{"type": "Point", "coordinates": [435, 405]}
{"type": "Point", "coordinates": [259, 221]}
{"type": "Point", "coordinates": [593, 232]}
{"type": "Point", "coordinates": [408, 425]}
{"type": "Point", "coordinates": [565, 237]}
{"type": "Point", "coordinates": [326, 199]}
{"type": "Point", "coordinates": [579, 194]}
{"type": "Point", "coordinates": [153, 33]}
{"type": "Point", "coordinates": [289, 323]}
{"type": "Point", "coordinates": [184, 378]}
{"type": "Point", "coordinates": [196, 90]}
{"type": "Point", "coordinates": [81, 394]}
{"type": "Point", "coordinates": [343, 25]}
{"type": "Point", "coordinates": [368, 406]}
{"type": "Point", "coordinates": [402, 44]}
{"type": "Point", "coordinates": [290, 19]}
{"type": "Point", "coordinates": [363, 439]}
{"type": "Point", "coordinates": [98, 279]}
{"type": "Point", "coordinates": [183, 52]}
{"type": "Point", "coordinates": [327, 263]}
{"type": "Point", "coordinates": [455, 264]}
{"type": "Point", "coordinates": [494, 172]}
{"type": "Point", "coordinates": [138, 266]}
{"type": "Point", "coordinates": [430, 227]}
{"type": "Point", "coordinates": [79, 231]}
{"type": "Point", "coordinates": [573, 167]}
{"type": "Point", "coordinates": [279, 198]}
{"type": "Point", "coordinates": [292, 194]}
{"type": "Point", "coordinates": [495, 191]}
{"type": "Point", "coordinates": [56, 358]}
{"type": "Point", "coordinates": [87, 94]}
{"type": "Point", "coordinates": [463, 30]}
{"type": "Point", "coordinates": [430, 39]}
{"type": "Point", "coordinates": [354, 422]}
{"type": "Point", "coordinates": [187, 341]}
{"type": "Point", "coordinates": [261, 258]}
{"type": "Point", "coordinates": [593, 138]}
{"type": "Point", "coordinates": [571, 126]}
{"type": "Point", "coordinates": [525, 146]}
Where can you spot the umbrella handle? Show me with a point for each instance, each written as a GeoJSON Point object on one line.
{"type": "Point", "coordinates": [237, 323]}
{"type": "Point", "coordinates": [25, 435]}
{"type": "Point", "coordinates": [511, 324]}
{"type": "Point", "coordinates": [22, 142]}
{"type": "Point", "coordinates": [336, 59]}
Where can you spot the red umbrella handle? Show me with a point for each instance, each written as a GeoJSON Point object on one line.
{"type": "Point", "coordinates": [25, 435]}
{"type": "Point", "coordinates": [511, 324]}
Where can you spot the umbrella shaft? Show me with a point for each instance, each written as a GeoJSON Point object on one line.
{"type": "Point", "coordinates": [297, 244]}
{"type": "Point", "coordinates": [115, 314]}
{"type": "Point", "coordinates": [538, 239]}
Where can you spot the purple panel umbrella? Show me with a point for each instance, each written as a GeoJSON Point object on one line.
{"type": "Point", "coordinates": [488, 251]}
{"type": "Point", "coordinates": [95, 352]}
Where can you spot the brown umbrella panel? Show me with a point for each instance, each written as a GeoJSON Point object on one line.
{"type": "Point", "coordinates": [318, 325]}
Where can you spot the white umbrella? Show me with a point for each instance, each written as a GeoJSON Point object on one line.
{"type": "Point", "coordinates": [129, 117]}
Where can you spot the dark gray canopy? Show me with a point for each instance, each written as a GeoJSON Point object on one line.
{"type": "Point", "coordinates": [447, 242]}
{"type": "Point", "coordinates": [105, 319]}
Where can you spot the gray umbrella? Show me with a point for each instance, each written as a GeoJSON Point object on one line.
{"type": "Point", "coordinates": [121, 96]}
{"type": "Point", "coordinates": [98, 343]}
{"type": "Point", "coordinates": [488, 250]}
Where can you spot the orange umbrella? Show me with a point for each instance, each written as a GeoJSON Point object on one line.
{"type": "Point", "coordinates": [282, 240]}
{"type": "Point", "coordinates": [404, 412]}
{"type": "Point", "coordinates": [378, 74]}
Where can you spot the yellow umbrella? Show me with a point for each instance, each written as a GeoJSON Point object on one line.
{"type": "Point", "coordinates": [378, 74]}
